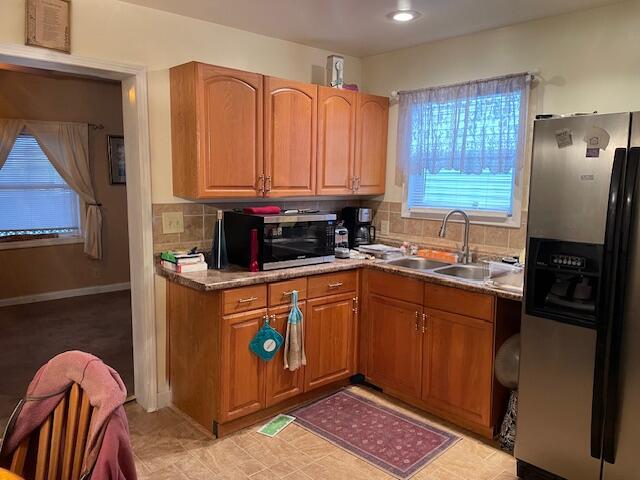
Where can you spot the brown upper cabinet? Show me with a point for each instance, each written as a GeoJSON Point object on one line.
{"type": "Point", "coordinates": [372, 120]}
{"type": "Point", "coordinates": [336, 141]}
{"type": "Point", "coordinates": [216, 131]}
{"type": "Point", "coordinates": [290, 137]}
{"type": "Point", "coordinates": [238, 134]}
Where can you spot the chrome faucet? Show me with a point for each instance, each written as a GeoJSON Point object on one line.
{"type": "Point", "coordinates": [466, 255]}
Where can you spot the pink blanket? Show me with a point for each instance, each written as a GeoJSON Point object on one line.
{"type": "Point", "coordinates": [108, 450]}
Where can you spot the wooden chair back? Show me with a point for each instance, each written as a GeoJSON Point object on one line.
{"type": "Point", "coordinates": [60, 441]}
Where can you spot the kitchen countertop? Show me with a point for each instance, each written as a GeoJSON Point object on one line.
{"type": "Point", "coordinates": [232, 277]}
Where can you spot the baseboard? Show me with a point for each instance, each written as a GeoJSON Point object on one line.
{"type": "Point", "coordinates": [76, 292]}
{"type": "Point", "coordinates": [164, 399]}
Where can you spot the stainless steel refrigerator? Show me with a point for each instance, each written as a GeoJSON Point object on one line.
{"type": "Point", "coordinates": [579, 391]}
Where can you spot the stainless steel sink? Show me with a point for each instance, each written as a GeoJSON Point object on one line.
{"type": "Point", "coordinates": [416, 263]}
{"type": "Point", "coordinates": [467, 272]}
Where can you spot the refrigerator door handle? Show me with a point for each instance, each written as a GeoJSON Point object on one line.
{"type": "Point", "coordinates": [613, 374]}
{"type": "Point", "coordinates": [605, 303]}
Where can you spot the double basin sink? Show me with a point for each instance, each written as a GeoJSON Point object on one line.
{"type": "Point", "coordinates": [474, 272]}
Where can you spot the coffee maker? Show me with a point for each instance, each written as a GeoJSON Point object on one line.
{"type": "Point", "coordinates": [358, 222]}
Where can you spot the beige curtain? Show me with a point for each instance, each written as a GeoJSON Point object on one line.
{"type": "Point", "coordinates": [67, 147]}
{"type": "Point", "coordinates": [9, 131]}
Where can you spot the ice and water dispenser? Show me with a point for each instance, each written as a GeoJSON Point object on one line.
{"type": "Point", "coordinates": [563, 281]}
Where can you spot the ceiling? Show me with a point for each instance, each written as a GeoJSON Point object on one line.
{"type": "Point", "coordinates": [361, 27]}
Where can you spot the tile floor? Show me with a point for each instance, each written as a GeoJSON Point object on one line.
{"type": "Point", "coordinates": [168, 445]}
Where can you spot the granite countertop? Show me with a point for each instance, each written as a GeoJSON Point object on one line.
{"type": "Point", "coordinates": [232, 277]}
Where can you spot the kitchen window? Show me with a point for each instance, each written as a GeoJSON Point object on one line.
{"type": "Point", "coordinates": [462, 147]}
{"type": "Point", "coordinates": [34, 199]}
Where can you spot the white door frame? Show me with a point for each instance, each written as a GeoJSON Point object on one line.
{"type": "Point", "coordinates": [136, 135]}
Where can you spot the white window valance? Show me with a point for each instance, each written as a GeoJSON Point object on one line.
{"type": "Point", "coordinates": [66, 144]}
{"type": "Point", "coordinates": [470, 128]}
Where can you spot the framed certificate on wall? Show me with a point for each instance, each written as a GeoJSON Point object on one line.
{"type": "Point", "coordinates": [48, 24]}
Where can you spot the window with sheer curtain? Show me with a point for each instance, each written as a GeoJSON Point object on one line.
{"type": "Point", "coordinates": [34, 199]}
{"type": "Point", "coordinates": [462, 146]}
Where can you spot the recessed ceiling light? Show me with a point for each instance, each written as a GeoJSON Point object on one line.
{"type": "Point", "coordinates": [403, 15]}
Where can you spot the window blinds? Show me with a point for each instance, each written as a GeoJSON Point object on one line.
{"type": "Point", "coordinates": [447, 189]}
{"type": "Point", "coordinates": [33, 196]}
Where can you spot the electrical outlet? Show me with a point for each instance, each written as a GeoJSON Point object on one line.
{"type": "Point", "coordinates": [172, 222]}
{"type": "Point", "coordinates": [384, 227]}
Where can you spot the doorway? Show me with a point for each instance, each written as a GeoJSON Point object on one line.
{"type": "Point", "coordinates": [139, 217]}
{"type": "Point", "coordinates": [54, 297]}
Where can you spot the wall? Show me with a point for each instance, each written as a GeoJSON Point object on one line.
{"type": "Point", "coordinates": [29, 271]}
{"type": "Point", "coordinates": [122, 32]}
{"type": "Point", "coordinates": [587, 61]}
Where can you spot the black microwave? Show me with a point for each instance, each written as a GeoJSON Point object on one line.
{"type": "Point", "coordinates": [283, 240]}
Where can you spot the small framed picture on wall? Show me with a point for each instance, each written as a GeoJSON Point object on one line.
{"type": "Point", "coordinates": [117, 164]}
{"type": "Point", "coordinates": [48, 24]}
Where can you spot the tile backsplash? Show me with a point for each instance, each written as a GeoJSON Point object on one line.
{"type": "Point", "coordinates": [199, 220]}
{"type": "Point", "coordinates": [484, 240]}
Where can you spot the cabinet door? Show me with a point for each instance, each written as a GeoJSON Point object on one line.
{"type": "Point", "coordinates": [336, 141]}
{"type": "Point", "coordinates": [329, 340]}
{"type": "Point", "coordinates": [290, 137]}
{"type": "Point", "coordinates": [372, 122]}
{"type": "Point", "coordinates": [280, 383]}
{"type": "Point", "coordinates": [230, 132]}
{"type": "Point", "coordinates": [242, 372]}
{"type": "Point", "coordinates": [395, 344]}
{"type": "Point", "coordinates": [458, 365]}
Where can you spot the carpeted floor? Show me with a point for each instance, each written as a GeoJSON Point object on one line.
{"type": "Point", "coordinates": [35, 332]}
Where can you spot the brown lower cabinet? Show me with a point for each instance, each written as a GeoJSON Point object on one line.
{"type": "Point", "coordinates": [217, 380]}
{"type": "Point", "coordinates": [395, 352]}
{"type": "Point", "coordinates": [430, 345]}
{"type": "Point", "coordinates": [433, 346]}
{"type": "Point", "coordinates": [281, 384]}
{"type": "Point", "coordinates": [242, 371]}
{"type": "Point", "coordinates": [330, 334]}
{"type": "Point", "coordinates": [458, 365]}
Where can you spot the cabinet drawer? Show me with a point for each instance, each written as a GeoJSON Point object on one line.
{"type": "Point", "coordinates": [280, 292]}
{"type": "Point", "coordinates": [394, 286]}
{"type": "Point", "coordinates": [244, 299]}
{"type": "Point", "coordinates": [456, 300]}
{"type": "Point", "coordinates": [332, 283]}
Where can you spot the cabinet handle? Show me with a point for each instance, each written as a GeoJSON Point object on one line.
{"type": "Point", "coordinates": [357, 184]}
{"type": "Point", "coordinates": [424, 322]}
{"type": "Point", "coordinates": [335, 285]}
{"type": "Point", "coordinates": [267, 183]}
{"type": "Point", "coordinates": [353, 184]}
{"type": "Point", "coordinates": [287, 294]}
{"type": "Point", "coordinates": [355, 305]}
{"type": "Point", "coordinates": [273, 318]}
{"type": "Point", "coordinates": [260, 184]}
{"type": "Point", "coordinates": [417, 321]}
{"type": "Point", "coordinates": [247, 300]}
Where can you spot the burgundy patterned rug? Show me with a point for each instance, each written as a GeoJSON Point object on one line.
{"type": "Point", "coordinates": [398, 444]}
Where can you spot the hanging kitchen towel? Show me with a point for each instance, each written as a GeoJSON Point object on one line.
{"type": "Point", "coordinates": [294, 356]}
{"type": "Point", "coordinates": [267, 341]}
